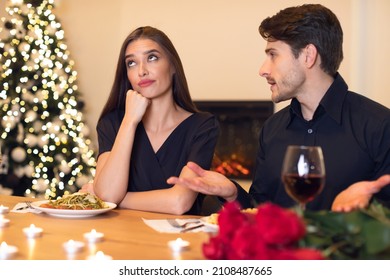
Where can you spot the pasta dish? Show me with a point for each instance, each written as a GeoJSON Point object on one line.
{"type": "Point", "coordinates": [76, 201]}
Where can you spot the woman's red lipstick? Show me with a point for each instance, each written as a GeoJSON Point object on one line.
{"type": "Point", "coordinates": [145, 83]}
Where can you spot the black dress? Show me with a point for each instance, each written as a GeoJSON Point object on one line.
{"type": "Point", "coordinates": [194, 139]}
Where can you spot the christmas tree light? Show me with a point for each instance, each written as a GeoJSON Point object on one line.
{"type": "Point", "coordinates": [44, 141]}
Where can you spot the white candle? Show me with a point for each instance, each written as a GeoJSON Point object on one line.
{"type": "Point", "coordinates": [93, 236]}
{"type": "Point", "coordinates": [72, 246]}
{"type": "Point", "coordinates": [7, 251]}
{"type": "Point", "coordinates": [4, 209]}
{"type": "Point", "coordinates": [100, 256]}
{"type": "Point", "coordinates": [32, 231]}
{"type": "Point", "coordinates": [3, 222]}
{"type": "Point", "coordinates": [178, 245]}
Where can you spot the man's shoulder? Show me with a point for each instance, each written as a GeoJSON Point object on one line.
{"type": "Point", "coordinates": [281, 115]}
{"type": "Point", "coordinates": [363, 105]}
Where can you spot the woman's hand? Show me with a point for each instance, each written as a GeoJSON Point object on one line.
{"type": "Point", "coordinates": [358, 195]}
{"type": "Point", "coordinates": [87, 188]}
{"type": "Point", "coordinates": [136, 106]}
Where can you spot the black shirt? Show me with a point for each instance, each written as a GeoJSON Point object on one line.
{"type": "Point", "coordinates": [192, 140]}
{"type": "Point", "coordinates": [353, 131]}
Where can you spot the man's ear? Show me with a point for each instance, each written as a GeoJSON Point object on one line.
{"type": "Point", "coordinates": [310, 54]}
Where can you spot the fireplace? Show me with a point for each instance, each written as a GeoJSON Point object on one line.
{"type": "Point", "coordinates": [240, 124]}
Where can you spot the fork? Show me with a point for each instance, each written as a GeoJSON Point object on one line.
{"type": "Point", "coordinates": [28, 205]}
{"type": "Point", "coordinates": [174, 223]}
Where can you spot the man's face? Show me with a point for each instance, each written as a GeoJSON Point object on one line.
{"type": "Point", "coordinates": [283, 71]}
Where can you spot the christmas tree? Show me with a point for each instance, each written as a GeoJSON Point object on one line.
{"type": "Point", "coordinates": [44, 141]}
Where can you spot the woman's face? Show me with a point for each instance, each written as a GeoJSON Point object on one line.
{"type": "Point", "coordinates": [148, 68]}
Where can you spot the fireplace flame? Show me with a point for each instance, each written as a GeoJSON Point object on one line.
{"type": "Point", "coordinates": [230, 167]}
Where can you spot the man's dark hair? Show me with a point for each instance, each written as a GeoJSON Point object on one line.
{"type": "Point", "coordinates": [308, 24]}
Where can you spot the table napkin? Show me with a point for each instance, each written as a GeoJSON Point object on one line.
{"type": "Point", "coordinates": [163, 226]}
{"type": "Point", "coordinates": [22, 207]}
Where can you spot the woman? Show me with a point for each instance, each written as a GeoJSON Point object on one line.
{"type": "Point", "coordinates": [149, 129]}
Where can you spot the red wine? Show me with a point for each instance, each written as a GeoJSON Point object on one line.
{"type": "Point", "coordinates": [303, 189]}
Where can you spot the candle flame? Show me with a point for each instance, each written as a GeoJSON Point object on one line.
{"type": "Point", "coordinates": [99, 254]}
{"type": "Point", "coordinates": [179, 241]}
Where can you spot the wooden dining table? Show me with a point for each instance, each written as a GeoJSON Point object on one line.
{"type": "Point", "coordinates": [126, 236]}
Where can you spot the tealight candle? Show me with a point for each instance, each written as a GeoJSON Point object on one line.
{"type": "Point", "coordinates": [100, 256]}
{"type": "Point", "coordinates": [4, 209]}
{"type": "Point", "coordinates": [178, 244]}
{"type": "Point", "coordinates": [3, 222]}
{"type": "Point", "coordinates": [72, 246]}
{"type": "Point", "coordinates": [93, 236]}
{"type": "Point", "coordinates": [7, 251]}
{"type": "Point", "coordinates": [32, 231]}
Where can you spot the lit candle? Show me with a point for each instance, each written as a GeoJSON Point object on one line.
{"type": "Point", "coordinates": [3, 222]}
{"type": "Point", "coordinates": [100, 256]}
{"type": "Point", "coordinates": [7, 251]}
{"type": "Point", "coordinates": [93, 236]}
{"type": "Point", "coordinates": [4, 209]}
{"type": "Point", "coordinates": [72, 246]}
{"type": "Point", "coordinates": [178, 245]}
{"type": "Point", "coordinates": [32, 231]}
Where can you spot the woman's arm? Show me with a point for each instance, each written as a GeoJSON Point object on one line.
{"type": "Point", "coordinates": [175, 200]}
{"type": "Point", "coordinates": [112, 171]}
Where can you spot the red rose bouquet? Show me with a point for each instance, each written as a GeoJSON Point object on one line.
{"type": "Point", "coordinates": [270, 234]}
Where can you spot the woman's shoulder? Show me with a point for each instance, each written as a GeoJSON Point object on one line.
{"type": "Point", "coordinates": [113, 118]}
{"type": "Point", "coordinates": [113, 115]}
{"type": "Point", "coordinates": [201, 119]}
{"type": "Point", "coordinates": [203, 116]}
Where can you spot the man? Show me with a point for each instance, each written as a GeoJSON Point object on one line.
{"type": "Point", "coordinates": [303, 54]}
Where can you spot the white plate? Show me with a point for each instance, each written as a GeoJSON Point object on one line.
{"type": "Point", "coordinates": [69, 213]}
{"type": "Point", "coordinates": [210, 226]}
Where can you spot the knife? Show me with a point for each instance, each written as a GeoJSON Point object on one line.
{"type": "Point", "coordinates": [191, 228]}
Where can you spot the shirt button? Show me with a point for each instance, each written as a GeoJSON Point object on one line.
{"type": "Point", "coordinates": [310, 131]}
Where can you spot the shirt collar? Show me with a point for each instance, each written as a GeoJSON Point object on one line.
{"type": "Point", "coordinates": [333, 99]}
{"type": "Point", "coordinates": [331, 103]}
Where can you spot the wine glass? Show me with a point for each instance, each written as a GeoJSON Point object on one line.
{"type": "Point", "coordinates": [303, 173]}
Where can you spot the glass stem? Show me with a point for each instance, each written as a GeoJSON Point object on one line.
{"type": "Point", "coordinates": [300, 209]}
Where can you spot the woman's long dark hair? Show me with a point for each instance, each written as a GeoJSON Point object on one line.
{"type": "Point", "coordinates": [121, 85]}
